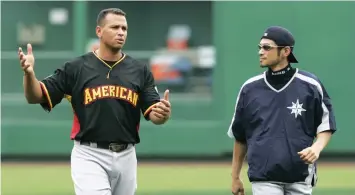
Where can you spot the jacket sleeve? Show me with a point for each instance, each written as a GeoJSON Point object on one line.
{"type": "Point", "coordinates": [236, 129]}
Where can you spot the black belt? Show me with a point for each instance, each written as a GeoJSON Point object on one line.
{"type": "Point", "coordinates": [114, 147]}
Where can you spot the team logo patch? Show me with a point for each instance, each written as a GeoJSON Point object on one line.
{"type": "Point", "coordinates": [296, 108]}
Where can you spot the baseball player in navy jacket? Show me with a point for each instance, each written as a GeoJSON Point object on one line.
{"type": "Point", "coordinates": [278, 115]}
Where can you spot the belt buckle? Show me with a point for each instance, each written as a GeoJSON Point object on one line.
{"type": "Point", "coordinates": [115, 147]}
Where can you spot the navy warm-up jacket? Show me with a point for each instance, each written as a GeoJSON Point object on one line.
{"type": "Point", "coordinates": [276, 124]}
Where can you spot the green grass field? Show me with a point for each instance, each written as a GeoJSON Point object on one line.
{"type": "Point", "coordinates": [161, 179]}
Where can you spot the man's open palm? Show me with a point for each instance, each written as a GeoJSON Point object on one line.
{"type": "Point", "coordinates": [27, 61]}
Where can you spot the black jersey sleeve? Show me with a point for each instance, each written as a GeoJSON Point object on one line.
{"type": "Point", "coordinates": [149, 95]}
{"type": "Point", "coordinates": [55, 86]}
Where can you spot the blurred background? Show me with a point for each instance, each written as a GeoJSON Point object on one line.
{"type": "Point", "coordinates": [202, 52]}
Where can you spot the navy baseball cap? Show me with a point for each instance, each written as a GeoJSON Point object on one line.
{"type": "Point", "coordinates": [282, 37]}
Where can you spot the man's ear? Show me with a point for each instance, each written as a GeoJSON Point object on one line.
{"type": "Point", "coordinates": [287, 51]}
{"type": "Point", "coordinates": [98, 31]}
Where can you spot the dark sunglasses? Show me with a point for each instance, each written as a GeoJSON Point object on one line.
{"type": "Point", "coordinates": [269, 47]}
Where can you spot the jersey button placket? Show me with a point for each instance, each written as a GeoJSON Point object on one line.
{"type": "Point", "coordinates": [108, 74]}
{"type": "Point", "coordinates": [111, 67]}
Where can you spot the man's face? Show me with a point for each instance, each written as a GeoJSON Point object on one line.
{"type": "Point", "coordinates": [269, 54]}
{"type": "Point", "coordinates": [113, 31]}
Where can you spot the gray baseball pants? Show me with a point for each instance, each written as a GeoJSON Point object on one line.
{"type": "Point", "coordinates": [269, 188]}
{"type": "Point", "coordinates": [98, 171]}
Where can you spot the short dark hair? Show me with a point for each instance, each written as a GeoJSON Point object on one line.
{"type": "Point", "coordinates": [103, 13]}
